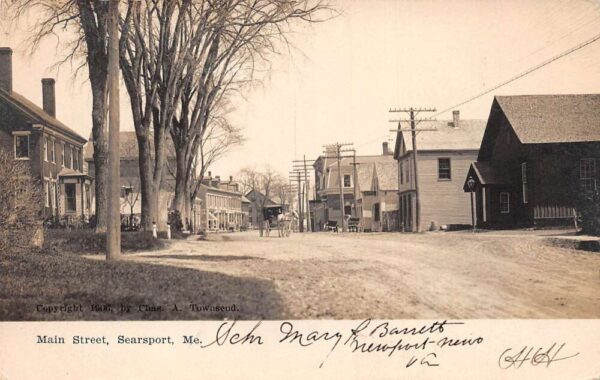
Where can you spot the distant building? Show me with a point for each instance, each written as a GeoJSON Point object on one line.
{"type": "Point", "coordinates": [444, 158]}
{"type": "Point", "coordinates": [131, 197]}
{"type": "Point", "coordinates": [270, 207]}
{"type": "Point", "coordinates": [52, 150]}
{"type": "Point", "coordinates": [221, 206]}
{"type": "Point", "coordinates": [326, 206]}
{"type": "Point", "coordinates": [538, 153]}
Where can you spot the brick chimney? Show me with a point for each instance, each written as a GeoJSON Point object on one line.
{"type": "Point", "coordinates": [6, 68]}
{"type": "Point", "coordinates": [48, 96]}
{"type": "Point", "coordinates": [456, 118]}
{"type": "Point", "coordinates": [386, 149]}
{"type": "Point", "coordinates": [230, 178]}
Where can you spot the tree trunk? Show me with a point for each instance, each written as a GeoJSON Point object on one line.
{"type": "Point", "coordinates": [93, 21]}
{"type": "Point", "coordinates": [100, 152]}
{"type": "Point", "coordinates": [181, 185]}
{"type": "Point", "coordinates": [149, 193]}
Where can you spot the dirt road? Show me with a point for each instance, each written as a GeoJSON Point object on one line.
{"type": "Point", "coordinates": [436, 275]}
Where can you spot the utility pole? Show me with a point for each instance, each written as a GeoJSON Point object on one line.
{"type": "Point", "coordinates": [413, 124]}
{"type": "Point", "coordinates": [338, 153]}
{"type": "Point", "coordinates": [355, 187]}
{"type": "Point", "coordinates": [306, 194]}
{"type": "Point", "coordinates": [301, 165]}
{"type": "Point", "coordinates": [298, 180]}
{"type": "Point", "coordinates": [113, 235]}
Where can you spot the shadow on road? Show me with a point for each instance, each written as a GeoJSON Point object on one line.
{"type": "Point", "coordinates": [204, 257]}
{"type": "Point", "coordinates": [151, 291]}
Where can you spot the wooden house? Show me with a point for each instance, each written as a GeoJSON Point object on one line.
{"type": "Point", "coordinates": [53, 151]}
{"type": "Point", "coordinates": [538, 154]}
{"type": "Point", "coordinates": [444, 156]}
{"type": "Point", "coordinates": [327, 186]}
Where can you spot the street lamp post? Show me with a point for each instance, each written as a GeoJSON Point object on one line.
{"type": "Point", "coordinates": [471, 184]}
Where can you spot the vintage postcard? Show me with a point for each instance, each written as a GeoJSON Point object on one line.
{"type": "Point", "coordinates": [292, 189]}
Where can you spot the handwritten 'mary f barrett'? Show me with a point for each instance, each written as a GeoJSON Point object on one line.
{"type": "Point", "coordinates": [382, 330]}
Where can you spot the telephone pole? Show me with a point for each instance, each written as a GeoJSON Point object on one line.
{"type": "Point", "coordinates": [301, 165]}
{"type": "Point", "coordinates": [113, 235]}
{"type": "Point", "coordinates": [338, 152]}
{"type": "Point", "coordinates": [298, 180]}
{"type": "Point", "coordinates": [412, 112]}
{"type": "Point", "coordinates": [355, 187]}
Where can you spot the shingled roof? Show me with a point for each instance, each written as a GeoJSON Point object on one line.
{"type": "Point", "coordinates": [364, 172]}
{"type": "Point", "coordinates": [467, 136]}
{"type": "Point", "coordinates": [387, 175]}
{"type": "Point", "coordinates": [37, 114]}
{"type": "Point", "coordinates": [540, 119]}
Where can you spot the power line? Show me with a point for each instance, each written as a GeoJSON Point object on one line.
{"type": "Point", "coordinates": [524, 73]}
{"type": "Point", "coordinates": [508, 81]}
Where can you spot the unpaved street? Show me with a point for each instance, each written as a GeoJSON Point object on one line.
{"type": "Point", "coordinates": [435, 275]}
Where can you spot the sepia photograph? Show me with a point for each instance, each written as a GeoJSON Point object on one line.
{"type": "Point", "coordinates": [299, 159]}
{"type": "Point", "coordinates": [273, 160]}
{"type": "Point", "coordinates": [300, 189]}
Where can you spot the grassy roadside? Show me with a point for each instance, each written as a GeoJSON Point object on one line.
{"type": "Point", "coordinates": [89, 242]}
{"type": "Point", "coordinates": [55, 276]}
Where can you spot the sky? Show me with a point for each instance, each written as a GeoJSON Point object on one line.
{"type": "Point", "coordinates": [342, 76]}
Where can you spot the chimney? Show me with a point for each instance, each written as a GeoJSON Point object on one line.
{"type": "Point", "coordinates": [386, 149]}
{"type": "Point", "coordinates": [6, 69]}
{"type": "Point", "coordinates": [230, 178]}
{"type": "Point", "coordinates": [209, 174]}
{"type": "Point", "coordinates": [455, 118]}
{"type": "Point", "coordinates": [48, 96]}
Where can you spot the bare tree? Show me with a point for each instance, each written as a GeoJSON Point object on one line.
{"type": "Point", "coordinates": [226, 41]}
{"type": "Point", "coordinates": [85, 22]}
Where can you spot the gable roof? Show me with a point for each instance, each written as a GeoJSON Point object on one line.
{"type": "Point", "coordinates": [540, 119]}
{"type": "Point", "coordinates": [37, 114]}
{"type": "Point", "coordinates": [387, 175]}
{"type": "Point", "coordinates": [252, 196]}
{"type": "Point", "coordinates": [467, 136]}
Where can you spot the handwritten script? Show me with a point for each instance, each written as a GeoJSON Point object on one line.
{"type": "Point", "coordinates": [532, 355]}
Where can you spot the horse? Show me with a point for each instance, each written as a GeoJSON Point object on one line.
{"type": "Point", "coordinates": [284, 222]}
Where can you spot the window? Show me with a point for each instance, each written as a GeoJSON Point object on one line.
{"type": "Point", "coordinates": [348, 210]}
{"type": "Point", "coordinates": [444, 168]}
{"type": "Point", "coordinates": [76, 159]}
{"type": "Point", "coordinates": [46, 151]}
{"type": "Point", "coordinates": [22, 147]}
{"type": "Point", "coordinates": [62, 154]}
{"type": "Point", "coordinates": [504, 202]}
{"type": "Point", "coordinates": [524, 181]}
{"type": "Point", "coordinates": [587, 173]}
{"type": "Point", "coordinates": [401, 174]}
{"type": "Point", "coordinates": [125, 191]}
{"type": "Point", "coordinates": [47, 193]}
{"type": "Point", "coordinates": [51, 153]}
{"type": "Point", "coordinates": [376, 212]}
{"type": "Point", "coordinates": [70, 197]}
{"type": "Point", "coordinates": [67, 158]}
{"type": "Point", "coordinates": [55, 195]}
{"type": "Point", "coordinates": [347, 181]}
